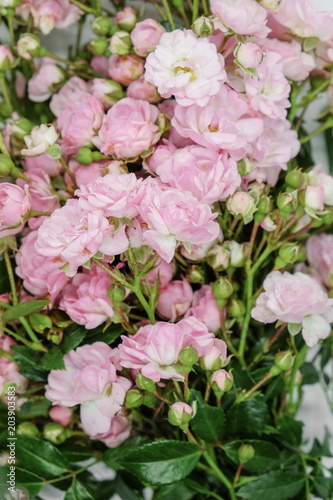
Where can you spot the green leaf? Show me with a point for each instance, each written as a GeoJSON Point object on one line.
{"type": "Point", "coordinates": [248, 418]}
{"type": "Point", "coordinates": [41, 456]}
{"type": "Point", "coordinates": [38, 406]}
{"type": "Point", "coordinates": [75, 453]}
{"type": "Point", "coordinates": [323, 486]}
{"type": "Point", "coordinates": [23, 478]}
{"type": "Point", "coordinates": [40, 322]}
{"type": "Point", "coordinates": [324, 449]}
{"type": "Point", "coordinates": [290, 430]}
{"type": "Point", "coordinates": [278, 485]}
{"type": "Point", "coordinates": [24, 309]}
{"type": "Point", "coordinates": [124, 491]}
{"type": "Point", "coordinates": [108, 336]}
{"type": "Point", "coordinates": [53, 359]}
{"type": "Point", "coordinates": [309, 374]}
{"type": "Point", "coordinates": [77, 492]}
{"type": "Point", "coordinates": [29, 361]}
{"type": "Point", "coordinates": [242, 379]}
{"type": "Point", "coordinates": [329, 146]}
{"type": "Point", "coordinates": [266, 455]}
{"type": "Point", "coordinates": [112, 456]}
{"type": "Point", "coordinates": [209, 422]}
{"type": "Point", "coordinates": [162, 462]}
{"type": "Point", "coordinates": [73, 336]}
{"type": "Point", "coordinates": [174, 491]}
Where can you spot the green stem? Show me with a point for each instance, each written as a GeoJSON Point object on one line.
{"type": "Point", "coordinates": [6, 95]}
{"type": "Point", "coordinates": [138, 292]}
{"type": "Point", "coordinates": [11, 32]}
{"type": "Point", "coordinates": [4, 305]}
{"type": "Point", "coordinates": [195, 13]}
{"type": "Point", "coordinates": [168, 14]}
{"type": "Point", "coordinates": [299, 360]}
{"type": "Point", "coordinates": [219, 474]}
{"type": "Point", "coordinates": [83, 7]}
{"type": "Point", "coordinates": [3, 148]}
{"type": "Point", "coordinates": [255, 387]}
{"type": "Point", "coordinates": [306, 477]}
{"type": "Point", "coordinates": [319, 130]}
{"type": "Point", "coordinates": [6, 354]}
{"type": "Point", "coordinates": [249, 292]}
{"type": "Point", "coordinates": [113, 275]}
{"type": "Point", "coordinates": [69, 172]}
{"type": "Point", "coordinates": [24, 341]}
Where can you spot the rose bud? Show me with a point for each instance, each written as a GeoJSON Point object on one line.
{"type": "Point", "coordinates": [126, 18]}
{"type": "Point", "coordinates": [61, 415]}
{"type": "Point", "coordinates": [284, 360]}
{"type": "Point", "coordinates": [222, 288]}
{"type": "Point", "coordinates": [144, 383]}
{"type": "Point", "coordinates": [56, 433]}
{"type": "Point", "coordinates": [28, 429]}
{"type": "Point", "coordinates": [180, 414]}
{"type": "Point", "coordinates": [245, 453]}
{"type": "Point", "coordinates": [40, 140]}
{"type": "Point", "coordinates": [6, 58]}
{"type": "Point", "coordinates": [133, 398]}
{"type": "Point", "coordinates": [289, 253]}
{"type": "Point", "coordinates": [120, 43]}
{"type": "Point", "coordinates": [312, 197]}
{"type": "Point", "coordinates": [287, 203]}
{"type": "Point", "coordinates": [203, 26]}
{"type": "Point", "coordinates": [28, 46]}
{"type": "Point", "coordinates": [101, 26]}
{"type": "Point", "coordinates": [221, 382]}
{"type": "Point", "coordinates": [248, 55]}
{"type": "Point", "coordinates": [295, 178]}
{"type": "Point", "coordinates": [188, 356]}
{"type": "Point", "coordinates": [216, 358]}
{"type": "Point", "coordinates": [242, 205]}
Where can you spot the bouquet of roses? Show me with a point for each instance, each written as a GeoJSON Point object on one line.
{"type": "Point", "coordinates": [167, 256]}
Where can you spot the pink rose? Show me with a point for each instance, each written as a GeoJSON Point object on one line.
{"type": "Point", "coordinates": [186, 67]}
{"type": "Point", "coordinates": [141, 89]}
{"type": "Point", "coordinates": [205, 309]}
{"type": "Point", "coordinates": [40, 275]}
{"type": "Point", "coordinates": [312, 197]}
{"type": "Point", "coordinates": [245, 17]}
{"type": "Point", "coordinates": [49, 14]}
{"type": "Point", "coordinates": [74, 91]}
{"type": "Point", "coordinates": [128, 129]}
{"type": "Point", "coordinates": [161, 153]}
{"type": "Point", "coordinates": [126, 18]}
{"type": "Point", "coordinates": [40, 189]}
{"type": "Point", "coordinates": [317, 177]}
{"type": "Point", "coordinates": [119, 431]}
{"type": "Point", "coordinates": [209, 176]}
{"type": "Point", "coordinates": [319, 250]}
{"type": "Point", "coordinates": [9, 370]}
{"type": "Point", "coordinates": [217, 356]}
{"type": "Point", "coordinates": [15, 203]}
{"type": "Point", "coordinates": [125, 69]}
{"type": "Point", "coordinates": [146, 36]}
{"type": "Point", "coordinates": [174, 299]}
{"type": "Point", "coordinates": [85, 174]}
{"type": "Point", "coordinates": [174, 216]}
{"type": "Point", "coordinates": [42, 163]}
{"type": "Point", "coordinates": [44, 81]}
{"type": "Point", "coordinates": [87, 380]}
{"type": "Point", "coordinates": [80, 122]}
{"type": "Point", "coordinates": [249, 55]}
{"type": "Point", "coordinates": [85, 299]}
{"type": "Point", "coordinates": [295, 298]}
{"type": "Point", "coordinates": [61, 415]}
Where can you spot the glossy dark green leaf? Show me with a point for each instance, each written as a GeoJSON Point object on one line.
{"type": "Point", "coordinates": [309, 374]}
{"type": "Point", "coordinates": [37, 406]}
{"type": "Point", "coordinates": [209, 422]}
{"type": "Point", "coordinates": [24, 309]}
{"type": "Point", "coordinates": [73, 336]}
{"type": "Point", "coordinates": [266, 455]}
{"type": "Point", "coordinates": [179, 491]}
{"type": "Point", "coordinates": [41, 457]}
{"type": "Point", "coordinates": [53, 359]}
{"type": "Point", "coordinates": [40, 321]}
{"type": "Point", "coordinates": [74, 452]}
{"type": "Point", "coordinates": [29, 363]}
{"type": "Point", "coordinates": [248, 418]}
{"type": "Point", "coordinates": [23, 478]}
{"type": "Point", "coordinates": [112, 456]}
{"type": "Point", "coordinates": [124, 490]}
{"type": "Point", "coordinates": [162, 462]}
{"type": "Point", "coordinates": [290, 430]}
{"type": "Point", "coordinates": [77, 492]}
{"type": "Point", "coordinates": [329, 146]}
{"type": "Point", "coordinates": [277, 485]}
{"type": "Point", "coordinates": [108, 336]}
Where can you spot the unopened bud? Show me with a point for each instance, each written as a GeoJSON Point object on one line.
{"type": "Point", "coordinates": [126, 19]}
{"type": "Point", "coordinates": [265, 205]}
{"type": "Point", "coordinates": [120, 43]}
{"type": "Point", "coordinates": [28, 429]}
{"type": "Point", "coordinates": [144, 383]}
{"type": "Point", "coordinates": [188, 356]}
{"type": "Point", "coordinates": [284, 360]}
{"type": "Point", "coordinates": [289, 253]}
{"type": "Point", "coordinates": [203, 26]}
{"type": "Point", "coordinates": [287, 202]}
{"type": "Point", "coordinates": [195, 274]}
{"type": "Point", "coordinates": [149, 400]}
{"type": "Point", "coordinates": [6, 58]}
{"type": "Point", "coordinates": [98, 46]}
{"type": "Point", "coordinates": [218, 257]}
{"type": "Point", "coordinates": [279, 263]}
{"type": "Point", "coordinates": [295, 178]}
{"type": "Point", "coordinates": [312, 197]}
{"type": "Point", "coordinates": [245, 453]}
{"type": "Point", "coordinates": [244, 167]}
{"type": "Point", "coordinates": [101, 26]}
{"type": "Point", "coordinates": [117, 294]}
{"type": "Point", "coordinates": [21, 127]}
{"type": "Point", "coordinates": [6, 164]}
{"type": "Point", "coordinates": [248, 55]}
{"type": "Point", "coordinates": [56, 433]}
{"type": "Point", "coordinates": [236, 308]}
{"type": "Point", "coordinates": [84, 156]}
{"type": "Point", "coordinates": [237, 254]}
{"type": "Point", "coordinates": [28, 46]}
{"type": "Point", "coordinates": [242, 206]}
{"type": "Point", "coordinates": [180, 414]}
{"type": "Point", "coordinates": [221, 382]}
{"type": "Point", "coordinates": [134, 398]}
{"type": "Point", "coordinates": [222, 288]}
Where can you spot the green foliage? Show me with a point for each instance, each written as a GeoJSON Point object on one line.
{"type": "Point", "coordinates": [209, 421]}
{"type": "Point", "coordinates": [77, 492]}
{"type": "Point", "coordinates": [27, 480]}
{"type": "Point", "coordinates": [266, 458]}
{"type": "Point", "coordinates": [29, 363]}
{"type": "Point", "coordinates": [24, 309]}
{"type": "Point", "coordinates": [248, 418]}
{"type": "Point", "coordinates": [53, 359]}
{"type": "Point", "coordinates": [278, 485]}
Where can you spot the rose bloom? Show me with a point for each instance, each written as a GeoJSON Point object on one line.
{"type": "Point", "coordinates": [155, 349]}
{"type": "Point", "coordinates": [295, 298]}
{"type": "Point", "coordinates": [75, 90]}
{"type": "Point", "coordinates": [9, 370]}
{"type": "Point", "coordinates": [225, 123]}
{"type": "Point", "coordinates": [49, 14]}
{"type": "Point", "coordinates": [205, 309]}
{"type": "Point", "coordinates": [71, 236]}
{"type": "Point", "coordinates": [125, 69]}
{"type": "Point", "coordinates": [128, 129]}
{"type": "Point", "coordinates": [163, 152]}
{"type": "Point", "coordinates": [186, 67]}
{"type": "Point", "coordinates": [319, 251]}
{"type": "Point", "coordinates": [141, 89]}
{"type": "Point", "coordinates": [90, 380]}
{"type": "Point", "coordinates": [208, 175]}
{"type": "Point", "coordinates": [146, 36]}
{"type": "Point", "coordinates": [317, 177]}
{"type": "Point", "coordinates": [40, 140]}
{"type": "Point", "coordinates": [15, 202]}
{"type": "Point", "coordinates": [79, 123]}
{"type": "Point", "coordinates": [85, 174]}
{"type": "Point", "coordinates": [174, 216]}
{"type": "Point", "coordinates": [245, 17]}
{"type": "Point", "coordinates": [85, 299]}
{"type": "Point", "coordinates": [40, 189]}
{"type": "Point", "coordinates": [174, 299]}
{"type": "Point", "coordinates": [120, 430]}
{"type": "Point", "coordinates": [42, 163]}
{"type": "Point", "coordinates": [43, 82]}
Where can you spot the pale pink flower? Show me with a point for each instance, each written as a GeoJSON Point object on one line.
{"type": "Point", "coordinates": [248, 55]}
{"type": "Point", "coordinates": [186, 67]}
{"type": "Point", "coordinates": [61, 414]}
{"type": "Point", "coordinates": [269, 91]}
{"type": "Point", "coordinates": [43, 82]}
{"type": "Point", "coordinates": [175, 217]}
{"type": "Point", "coordinates": [85, 299]}
{"type": "Point", "coordinates": [40, 140]}
{"type": "Point", "coordinates": [126, 18]}
{"type": "Point", "coordinates": [146, 36]}
{"type": "Point", "coordinates": [15, 203]}
{"type": "Point", "coordinates": [120, 430]}
{"type": "Point", "coordinates": [125, 69]}
{"type": "Point", "coordinates": [40, 275]}
{"type": "Point", "coordinates": [155, 349]}
{"type": "Point", "coordinates": [295, 298]}
{"type": "Point", "coordinates": [174, 299]}
{"type": "Point", "coordinates": [100, 64]}
{"type": "Point", "coordinates": [221, 380]}
{"type": "Point", "coordinates": [163, 152]}
{"type": "Point", "coordinates": [90, 380]}
{"type": "Point", "coordinates": [317, 177]}
{"type": "Point", "coordinates": [75, 90]}
{"type": "Point", "coordinates": [141, 89]}
{"type": "Point", "coordinates": [319, 251]}
{"type": "Point", "coordinates": [208, 175]}
{"type": "Point", "coordinates": [9, 370]}
{"type": "Point", "coordinates": [40, 189]}
{"type": "Point", "coordinates": [245, 17]}
{"type": "Point", "coordinates": [49, 14]}
{"type": "Point", "coordinates": [205, 309]}
{"type": "Point", "coordinates": [42, 163]}
{"type": "Point", "coordinates": [129, 128]}
{"type": "Point", "coordinates": [80, 122]}
{"type": "Point", "coordinates": [164, 271]}
{"type": "Point", "coordinates": [85, 174]}
{"type": "Point", "coordinates": [225, 123]}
